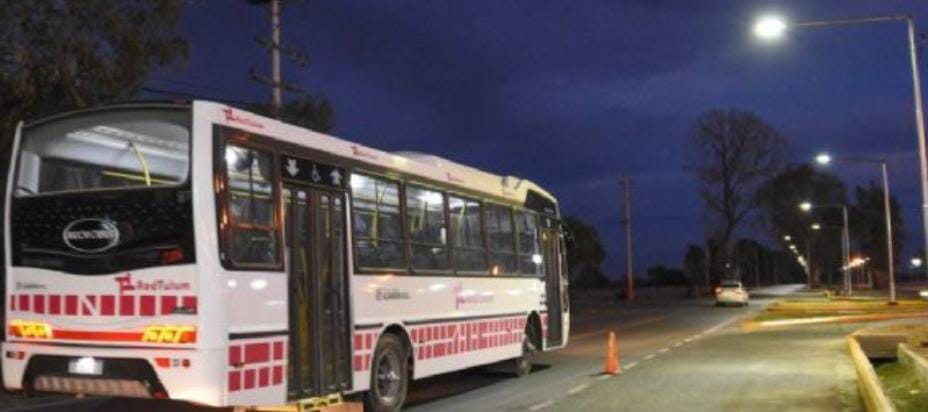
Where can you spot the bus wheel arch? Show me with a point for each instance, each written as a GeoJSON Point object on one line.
{"type": "Point", "coordinates": [537, 340]}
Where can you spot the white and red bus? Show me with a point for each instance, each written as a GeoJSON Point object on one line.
{"type": "Point", "coordinates": [204, 253]}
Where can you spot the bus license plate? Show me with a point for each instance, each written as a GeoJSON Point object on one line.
{"type": "Point", "coordinates": [86, 366]}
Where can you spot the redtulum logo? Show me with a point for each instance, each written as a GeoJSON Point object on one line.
{"type": "Point", "coordinates": [469, 296]}
{"type": "Point", "coordinates": [126, 284]}
{"type": "Point", "coordinates": [91, 235]}
{"type": "Point", "coordinates": [233, 117]}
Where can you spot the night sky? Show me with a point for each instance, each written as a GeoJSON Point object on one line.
{"type": "Point", "coordinates": [571, 94]}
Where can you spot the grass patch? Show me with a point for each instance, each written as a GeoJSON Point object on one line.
{"type": "Point", "coordinates": [902, 387]}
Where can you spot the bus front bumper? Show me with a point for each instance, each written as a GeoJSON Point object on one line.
{"type": "Point", "coordinates": [182, 374]}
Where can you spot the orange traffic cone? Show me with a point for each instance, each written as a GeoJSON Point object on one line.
{"type": "Point", "coordinates": [611, 365]}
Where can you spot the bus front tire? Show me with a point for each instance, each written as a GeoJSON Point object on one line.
{"type": "Point", "coordinates": [522, 365]}
{"type": "Point", "coordinates": [389, 376]}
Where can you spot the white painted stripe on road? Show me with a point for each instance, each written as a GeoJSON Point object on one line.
{"type": "Point", "coordinates": [664, 350]}
{"type": "Point", "coordinates": [678, 344]}
{"type": "Point", "coordinates": [577, 389]}
{"type": "Point", "coordinates": [720, 326]}
{"type": "Point", "coordinates": [689, 339]}
{"type": "Point", "coordinates": [651, 356]}
{"type": "Point", "coordinates": [604, 376]}
{"type": "Point", "coordinates": [540, 406]}
{"type": "Point", "coordinates": [630, 365]}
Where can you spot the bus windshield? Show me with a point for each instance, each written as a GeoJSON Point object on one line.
{"type": "Point", "coordinates": [104, 150]}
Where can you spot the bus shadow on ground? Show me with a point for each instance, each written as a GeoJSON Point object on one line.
{"type": "Point", "coordinates": [446, 385]}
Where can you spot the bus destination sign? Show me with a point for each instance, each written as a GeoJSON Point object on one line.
{"type": "Point", "coordinates": [308, 171]}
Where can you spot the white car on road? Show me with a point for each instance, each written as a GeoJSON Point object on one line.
{"type": "Point", "coordinates": [731, 293]}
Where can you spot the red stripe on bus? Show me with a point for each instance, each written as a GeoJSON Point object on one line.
{"type": "Point", "coordinates": [39, 303]}
{"type": "Point", "coordinates": [70, 304]}
{"type": "Point", "coordinates": [127, 305]}
{"type": "Point", "coordinates": [147, 305]}
{"type": "Point", "coordinates": [257, 352]}
{"type": "Point", "coordinates": [107, 305]}
{"type": "Point", "coordinates": [110, 336]}
{"type": "Point", "coordinates": [54, 304]}
{"type": "Point", "coordinates": [168, 304]}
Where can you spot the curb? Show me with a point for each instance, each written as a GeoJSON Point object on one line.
{"type": "Point", "coordinates": [875, 400]}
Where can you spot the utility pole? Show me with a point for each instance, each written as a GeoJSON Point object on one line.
{"type": "Point", "coordinates": [274, 47]}
{"type": "Point", "coordinates": [627, 224]}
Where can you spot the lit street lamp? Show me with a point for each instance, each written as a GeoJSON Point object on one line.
{"type": "Point", "coordinates": [916, 262]}
{"type": "Point", "coordinates": [845, 238]}
{"type": "Point", "coordinates": [816, 226]}
{"type": "Point", "coordinates": [787, 238]}
{"type": "Point", "coordinates": [772, 27]}
{"type": "Point", "coordinates": [824, 159]}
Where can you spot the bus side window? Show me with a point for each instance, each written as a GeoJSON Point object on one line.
{"type": "Point", "coordinates": [425, 216]}
{"type": "Point", "coordinates": [530, 258]}
{"type": "Point", "coordinates": [253, 237]}
{"type": "Point", "coordinates": [467, 235]}
{"type": "Point", "coordinates": [376, 223]}
{"type": "Point", "coordinates": [502, 240]}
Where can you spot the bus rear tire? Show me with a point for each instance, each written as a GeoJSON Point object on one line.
{"type": "Point", "coordinates": [389, 376]}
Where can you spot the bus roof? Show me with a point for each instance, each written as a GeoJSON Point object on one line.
{"type": "Point", "coordinates": [411, 163]}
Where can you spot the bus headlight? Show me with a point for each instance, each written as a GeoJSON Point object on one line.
{"type": "Point", "coordinates": [170, 334]}
{"type": "Point", "coordinates": [30, 329]}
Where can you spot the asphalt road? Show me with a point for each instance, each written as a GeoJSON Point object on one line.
{"type": "Point", "coordinates": [676, 355]}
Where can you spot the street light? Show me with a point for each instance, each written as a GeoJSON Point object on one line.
{"type": "Point", "coordinates": [787, 238]}
{"type": "Point", "coordinates": [770, 27]}
{"type": "Point", "coordinates": [823, 159]}
{"type": "Point", "coordinates": [816, 226]}
{"type": "Point", "coordinates": [916, 262]}
{"type": "Point", "coordinates": [845, 237]}
{"type": "Point", "coordinates": [887, 213]}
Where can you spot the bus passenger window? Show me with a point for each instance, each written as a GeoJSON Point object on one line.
{"type": "Point", "coordinates": [467, 235]}
{"type": "Point", "coordinates": [530, 258]}
{"type": "Point", "coordinates": [502, 241]}
{"type": "Point", "coordinates": [377, 226]}
{"type": "Point", "coordinates": [253, 235]}
{"type": "Point", "coordinates": [425, 215]}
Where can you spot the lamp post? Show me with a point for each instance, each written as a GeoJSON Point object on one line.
{"type": "Point", "coordinates": [824, 159]}
{"type": "Point", "coordinates": [770, 27]}
{"type": "Point", "coordinates": [845, 238]}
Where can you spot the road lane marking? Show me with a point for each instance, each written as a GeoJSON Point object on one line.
{"type": "Point", "coordinates": [539, 406]}
{"type": "Point", "coordinates": [678, 344]}
{"type": "Point", "coordinates": [577, 389]}
{"type": "Point", "coordinates": [630, 366]}
{"type": "Point", "coordinates": [605, 376]}
{"type": "Point", "coordinates": [664, 350]}
{"type": "Point", "coordinates": [720, 326]}
{"type": "Point", "coordinates": [651, 356]}
{"type": "Point", "coordinates": [689, 339]}
{"type": "Point", "coordinates": [621, 327]}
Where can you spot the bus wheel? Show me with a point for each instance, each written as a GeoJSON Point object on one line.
{"type": "Point", "coordinates": [389, 376]}
{"type": "Point", "coordinates": [523, 364]}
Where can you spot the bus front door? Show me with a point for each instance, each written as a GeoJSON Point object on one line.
{"type": "Point", "coordinates": [550, 249]}
{"type": "Point", "coordinates": [319, 350]}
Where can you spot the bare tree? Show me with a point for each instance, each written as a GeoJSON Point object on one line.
{"type": "Point", "coordinates": [733, 153]}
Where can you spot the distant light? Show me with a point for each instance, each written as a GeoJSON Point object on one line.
{"type": "Point", "coordinates": [816, 226]}
{"type": "Point", "coordinates": [805, 206]}
{"type": "Point", "coordinates": [787, 238]}
{"type": "Point", "coordinates": [769, 27]}
{"type": "Point", "coordinates": [823, 159]}
{"type": "Point", "coordinates": [916, 262]}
